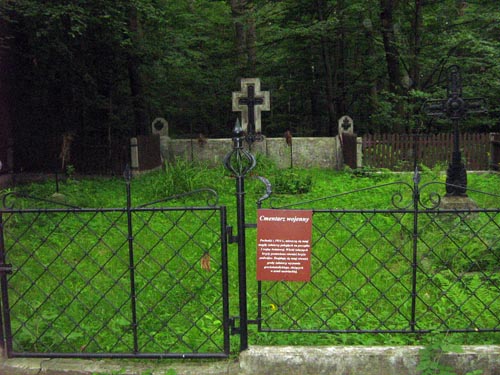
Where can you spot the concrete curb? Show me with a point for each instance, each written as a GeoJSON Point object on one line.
{"type": "Point", "coordinates": [31, 366]}
{"type": "Point", "coordinates": [360, 360]}
{"type": "Point", "coordinates": [273, 360]}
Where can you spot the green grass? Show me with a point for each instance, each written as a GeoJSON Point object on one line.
{"type": "Point", "coordinates": [79, 263]}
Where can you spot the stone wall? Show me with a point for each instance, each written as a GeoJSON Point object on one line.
{"type": "Point", "coordinates": [304, 152]}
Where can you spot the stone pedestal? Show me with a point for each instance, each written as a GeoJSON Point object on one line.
{"type": "Point", "coordinates": [452, 202]}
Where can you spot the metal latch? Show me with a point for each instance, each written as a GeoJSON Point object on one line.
{"type": "Point", "coordinates": [7, 268]}
{"type": "Point", "coordinates": [232, 325]}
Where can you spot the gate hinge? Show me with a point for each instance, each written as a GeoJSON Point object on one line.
{"type": "Point", "coordinates": [7, 268]}
{"type": "Point", "coordinates": [230, 237]}
{"type": "Point", "coordinates": [232, 325]}
{"type": "Point", "coordinates": [235, 330]}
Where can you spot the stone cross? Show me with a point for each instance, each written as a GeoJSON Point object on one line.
{"type": "Point", "coordinates": [346, 125]}
{"type": "Point", "coordinates": [250, 101]}
{"type": "Point", "coordinates": [160, 126]}
{"type": "Point", "coordinates": [455, 108]}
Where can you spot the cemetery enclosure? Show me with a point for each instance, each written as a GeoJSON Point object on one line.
{"type": "Point", "coordinates": [155, 280]}
{"type": "Point", "coordinates": [397, 151]}
{"type": "Point", "coordinates": [391, 151]}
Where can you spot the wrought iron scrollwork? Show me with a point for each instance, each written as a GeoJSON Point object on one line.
{"type": "Point", "coordinates": [269, 190]}
{"type": "Point", "coordinates": [433, 198]}
{"type": "Point", "coordinates": [9, 200]}
{"type": "Point", "coordinates": [239, 161]}
{"type": "Point", "coordinates": [397, 200]}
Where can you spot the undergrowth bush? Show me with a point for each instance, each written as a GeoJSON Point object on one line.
{"type": "Point", "coordinates": [289, 181]}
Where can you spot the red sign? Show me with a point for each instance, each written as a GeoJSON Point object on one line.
{"type": "Point", "coordinates": [284, 245]}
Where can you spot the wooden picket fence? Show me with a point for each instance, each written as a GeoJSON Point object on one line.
{"type": "Point", "coordinates": [397, 151]}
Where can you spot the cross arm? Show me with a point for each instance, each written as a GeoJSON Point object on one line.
{"type": "Point", "coordinates": [434, 107]}
{"type": "Point", "coordinates": [475, 105]}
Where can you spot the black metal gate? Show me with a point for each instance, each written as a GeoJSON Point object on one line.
{"type": "Point", "coordinates": [414, 266]}
{"type": "Point", "coordinates": [81, 282]}
{"type": "Point", "coordinates": [139, 282]}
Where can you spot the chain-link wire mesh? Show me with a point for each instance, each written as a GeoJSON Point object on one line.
{"type": "Point", "coordinates": [407, 270]}
{"type": "Point", "coordinates": [143, 281]}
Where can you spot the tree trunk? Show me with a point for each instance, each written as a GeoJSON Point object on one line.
{"type": "Point", "coordinates": [315, 95]}
{"type": "Point", "coordinates": [251, 38]}
{"type": "Point", "coordinates": [326, 57]}
{"type": "Point", "coordinates": [238, 12]}
{"type": "Point", "coordinates": [340, 65]}
{"type": "Point", "coordinates": [417, 25]}
{"type": "Point", "coordinates": [391, 51]}
{"type": "Point", "coordinates": [136, 86]}
{"type": "Point", "coordinates": [6, 100]}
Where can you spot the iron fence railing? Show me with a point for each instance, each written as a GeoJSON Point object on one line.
{"type": "Point", "coordinates": [153, 282]}
{"type": "Point", "coordinates": [399, 151]}
{"type": "Point", "coordinates": [145, 281]}
{"type": "Point", "coordinates": [414, 268]}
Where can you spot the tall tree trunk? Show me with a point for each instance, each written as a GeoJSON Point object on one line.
{"type": "Point", "coordinates": [6, 100]}
{"type": "Point", "coordinates": [391, 51]}
{"type": "Point", "coordinates": [326, 57]}
{"type": "Point", "coordinates": [251, 39]}
{"type": "Point", "coordinates": [340, 66]}
{"type": "Point", "coordinates": [416, 45]}
{"type": "Point", "coordinates": [245, 35]}
{"type": "Point", "coordinates": [315, 95]}
{"type": "Point", "coordinates": [370, 54]}
{"type": "Point", "coordinates": [136, 85]}
{"type": "Point", "coordinates": [238, 12]}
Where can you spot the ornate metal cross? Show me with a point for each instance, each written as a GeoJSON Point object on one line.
{"type": "Point", "coordinates": [455, 107]}
{"type": "Point", "coordinates": [250, 101]}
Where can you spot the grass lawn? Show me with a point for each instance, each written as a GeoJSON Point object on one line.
{"type": "Point", "coordinates": [71, 277]}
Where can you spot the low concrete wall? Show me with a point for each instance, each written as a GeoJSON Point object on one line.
{"type": "Point", "coordinates": [304, 152]}
{"type": "Point", "coordinates": [361, 360]}
{"type": "Point", "coordinates": [274, 360]}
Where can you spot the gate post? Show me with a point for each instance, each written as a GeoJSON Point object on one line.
{"type": "Point", "coordinates": [414, 262]}
{"type": "Point", "coordinates": [5, 331]}
{"type": "Point", "coordinates": [127, 174]}
{"type": "Point", "coordinates": [2, 257]}
{"type": "Point", "coordinates": [240, 162]}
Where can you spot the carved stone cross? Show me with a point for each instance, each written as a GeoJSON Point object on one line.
{"type": "Point", "coordinates": [455, 108]}
{"type": "Point", "coordinates": [250, 101]}
{"type": "Point", "coordinates": [346, 125]}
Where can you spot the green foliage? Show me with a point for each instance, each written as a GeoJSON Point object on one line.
{"type": "Point", "coordinates": [431, 359]}
{"type": "Point", "coordinates": [466, 276]}
{"type": "Point", "coordinates": [289, 181]}
{"type": "Point", "coordinates": [71, 59]}
{"type": "Point", "coordinates": [147, 372]}
{"type": "Point", "coordinates": [265, 166]}
{"type": "Point", "coordinates": [179, 177]}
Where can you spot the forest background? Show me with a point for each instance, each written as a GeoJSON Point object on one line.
{"type": "Point", "coordinates": [106, 68]}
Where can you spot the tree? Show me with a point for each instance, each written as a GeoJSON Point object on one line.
{"type": "Point", "coordinates": [103, 68]}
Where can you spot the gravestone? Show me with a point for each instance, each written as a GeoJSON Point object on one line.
{"type": "Point", "coordinates": [348, 141]}
{"type": "Point", "coordinates": [251, 101]}
{"type": "Point", "coordinates": [160, 126]}
{"type": "Point", "coordinates": [346, 125]}
{"type": "Point", "coordinates": [455, 108]}
{"type": "Point", "coordinates": [145, 154]}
